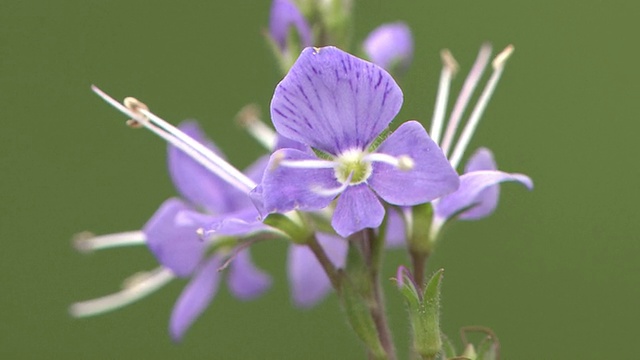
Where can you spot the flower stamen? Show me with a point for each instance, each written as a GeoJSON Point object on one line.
{"type": "Point", "coordinates": [462, 101]}
{"type": "Point", "coordinates": [249, 118]}
{"type": "Point", "coordinates": [402, 162]}
{"type": "Point", "coordinates": [135, 288]}
{"type": "Point", "coordinates": [87, 241]}
{"type": "Point", "coordinates": [200, 153]}
{"type": "Point", "coordinates": [449, 69]}
{"type": "Point", "coordinates": [478, 110]}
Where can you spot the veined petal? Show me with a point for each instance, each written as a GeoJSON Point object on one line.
{"type": "Point", "coordinates": [389, 45]}
{"type": "Point", "coordinates": [285, 14]}
{"type": "Point", "coordinates": [431, 176]}
{"type": "Point", "coordinates": [285, 188]}
{"type": "Point", "coordinates": [333, 101]}
{"type": "Point", "coordinates": [195, 298]}
{"type": "Point", "coordinates": [172, 238]}
{"type": "Point", "coordinates": [358, 208]}
{"type": "Point", "coordinates": [470, 193]}
{"type": "Point", "coordinates": [309, 283]}
{"type": "Point", "coordinates": [245, 280]}
{"type": "Point", "coordinates": [193, 181]}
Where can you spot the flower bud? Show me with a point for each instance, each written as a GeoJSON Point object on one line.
{"type": "Point", "coordinates": [390, 46]}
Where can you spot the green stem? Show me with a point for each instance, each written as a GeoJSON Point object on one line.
{"type": "Point", "coordinates": [325, 262]}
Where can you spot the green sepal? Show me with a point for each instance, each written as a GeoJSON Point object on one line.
{"type": "Point", "coordinates": [426, 322]}
{"type": "Point", "coordinates": [420, 228]}
{"type": "Point", "coordinates": [357, 309]}
{"type": "Point", "coordinates": [298, 233]}
{"type": "Point", "coordinates": [470, 352]}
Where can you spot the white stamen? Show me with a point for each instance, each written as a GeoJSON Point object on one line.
{"type": "Point", "coordinates": [449, 69]}
{"type": "Point", "coordinates": [469, 86]}
{"type": "Point", "coordinates": [336, 191]}
{"type": "Point", "coordinates": [136, 290]}
{"type": "Point", "coordinates": [478, 110]}
{"type": "Point", "coordinates": [249, 119]}
{"type": "Point", "coordinates": [174, 136]}
{"type": "Point", "coordinates": [402, 162]}
{"type": "Point", "coordinates": [309, 164]}
{"type": "Point", "coordinates": [86, 241]}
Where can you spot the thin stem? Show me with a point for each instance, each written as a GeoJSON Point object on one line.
{"type": "Point", "coordinates": [375, 246]}
{"type": "Point", "coordinates": [325, 262]}
{"type": "Point", "coordinates": [419, 262]}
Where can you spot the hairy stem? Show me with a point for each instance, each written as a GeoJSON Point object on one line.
{"type": "Point", "coordinates": [324, 261]}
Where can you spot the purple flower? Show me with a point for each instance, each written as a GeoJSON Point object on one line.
{"type": "Point", "coordinates": [284, 15]}
{"type": "Point", "coordinates": [390, 45]}
{"type": "Point", "coordinates": [477, 196]}
{"type": "Point", "coordinates": [173, 234]}
{"type": "Point", "coordinates": [339, 105]}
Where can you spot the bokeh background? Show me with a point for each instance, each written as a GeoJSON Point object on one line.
{"type": "Point", "coordinates": [554, 272]}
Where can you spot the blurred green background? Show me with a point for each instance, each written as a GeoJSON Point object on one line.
{"type": "Point", "coordinates": [554, 272]}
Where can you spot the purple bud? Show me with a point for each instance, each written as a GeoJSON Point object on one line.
{"type": "Point", "coordinates": [389, 45]}
{"type": "Point", "coordinates": [285, 14]}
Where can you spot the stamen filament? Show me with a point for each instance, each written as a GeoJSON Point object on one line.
{"type": "Point", "coordinates": [154, 281]}
{"type": "Point", "coordinates": [469, 86]}
{"type": "Point", "coordinates": [86, 241]}
{"type": "Point", "coordinates": [336, 191]}
{"type": "Point", "coordinates": [402, 162]}
{"type": "Point", "coordinates": [309, 164]}
{"type": "Point", "coordinates": [478, 110]}
{"type": "Point", "coordinates": [449, 69]}
{"type": "Point", "coordinates": [194, 149]}
{"type": "Point", "coordinates": [248, 118]}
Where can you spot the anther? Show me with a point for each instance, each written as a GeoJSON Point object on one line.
{"type": "Point", "coordinates": [405, 163]}
{"type": "Point", "coordinates": [502, 57]}
{"type": "Point", "coordinates": [135, 105]}
{"type": "Point", "coordinates": [449, 61]}
{"type": "Point", "coordinates": [249, 118]}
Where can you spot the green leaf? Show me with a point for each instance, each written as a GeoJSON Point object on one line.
{"type": "Point", "coordinates": [426, 321]}
{"type": "Point", "coordinates": [298, 233]}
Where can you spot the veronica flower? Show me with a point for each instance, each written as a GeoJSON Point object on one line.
{"type": "Point", "coordinates": [477, 196]}
{"type": "Point", "coordinates": [173, 234]}
{"type": "Point", "coordinates": [339, 105]}
{"type": "Point", "coordinates": [390, 46]}
{"type": "Point", "coordinates": [284, 17]}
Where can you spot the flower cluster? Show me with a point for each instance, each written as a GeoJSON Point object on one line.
{"type": "Point", "coordinates": [339, 180]}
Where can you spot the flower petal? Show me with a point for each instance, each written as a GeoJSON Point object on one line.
{"type": "Point", "coordinates": [396, 232]}
{"type": "Point", "coordinates": [195, 298]}
{"type": "Point", "coordinates": [487, 199]}
{"type": "Point", "coordinates": [245, 280]}
{"type": "Point", "coordinates": [358, 208]}
{"type": "Point", "coordinates": [172, 238]}
{"type": "Point", "coordinates": [389, 45]}
{"type": "Point", "coordinates": [194, 182]}
{"type": "Point", "coordinates": [482, 159]}
{"type": "Point", "coordinates": [333, 101]}
{"type": "Point", "coordinates": [285, 14]}
{"type": "Point", "coordinates": [470, 193]}
{"type": "Point", "coordinates": [309, 282]}
{"type": "Point", "coordinates": [241, 223]}
{"type": "Point", "coordinates": [285, 188]}
{"type": "Point", "coordinates": [431, 177]}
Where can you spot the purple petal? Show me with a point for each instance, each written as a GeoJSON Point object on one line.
{"type": "Point", "coordinates": [482, 159]}
{"type": "Point", "coordinates": [193, 181]}
{"type": "Point", "coordinates": [172, 238]}
{"type": "Point", "coordinates": [309, 282]}
{"type": "Point", "coordinates": [285, 188]}
{"type": "Point", "coordinates": [396, 232]}
{"type": "Point", "coordinates": [245, 280]}
{"type": "Point", "coordinates": [285, 14]}
{"type": "Point", "coordinates": [487, 199]}
{"type": "Point", "coordinates": [470, 193]}
{"type": "Point", "coordinates": [286, 143]}
{"type": "Point", "coordinates": [195, 298]}
{"type": "Point", "coordinates": [390, 44]}
{"type": "Point", "coordinates": [333, 101]}
{"type": "Point", "coordinates": [431, 177]}
{"type": "Point", "coordinates": [358, 208]}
